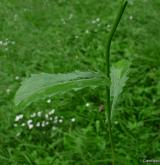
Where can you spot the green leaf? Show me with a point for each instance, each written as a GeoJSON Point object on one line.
{"type": "Point", "coordinates": [119, 76]}
{"type": "Point", "coordinates": [40, 86]}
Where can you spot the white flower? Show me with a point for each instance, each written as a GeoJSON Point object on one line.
{"type": "Point", "coordinates": [17, 78]}
{"type": "Point", "coordinates": [38, 124]}
{"type": "Point", "coordinates": [18, 117]}
{"type": "Point", "coordinates": [60, 121]}
{"type": "Point", "coordinates": [29, 121]}
{"type": "Point", "coordinates": [39, 114]}
{"type": "Point", "coordinates": [130, 17]}
{"type": "Point", "coordinates": [30, 126]}
{"type": "Point", "coordinates": [52, 112]}
{"type": "Point", "coordinates": [55, 121]}
{"type": "Point", "coordinates": [87, 104]}
{"type": "Point", "coordinates": [46, 116]}
{"type": "Point", "coordinates": [98, 19]}
{"type": "Point", "coordinates": [47, 123]}
{"type": "Point", "coordinates": [23, 124]}
{"type": "Point", "coordinates": [51, 118]}
{"type": "Point", "coordinates": [49, 101]}
{"type": "Point", "coordinates": [21, 116]}
{"type": "Point", "coordinates": [73, 120]}
{"type": "Point", "coordinates": [33, 115]}
{"type": "Point", "coordinates": [56, 118]}
{"type": "Point", "coordinates": [18, 134]}
{"type": "Point", "coordinates": [43, 124]}
{"type": "Point", "coordinates": [15, 125]}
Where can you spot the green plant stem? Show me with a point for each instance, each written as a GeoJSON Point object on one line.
{"type": "Point", "coordinates": [108, 97]}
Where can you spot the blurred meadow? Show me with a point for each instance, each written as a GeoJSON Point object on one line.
{"type": "Point", "coordinates": [62, 36]}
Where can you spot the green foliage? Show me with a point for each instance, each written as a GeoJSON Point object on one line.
{"type": "Point", "coordinates": [46, 40]}
{"type": "Point", "coordinates": [40, 86]}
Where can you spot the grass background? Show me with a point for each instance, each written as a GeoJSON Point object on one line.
{"type": "Point", "coordinates": [62, 36]}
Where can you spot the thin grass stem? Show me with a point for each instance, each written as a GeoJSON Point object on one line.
{"type": "Point", "coordinates": [108, 97]}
